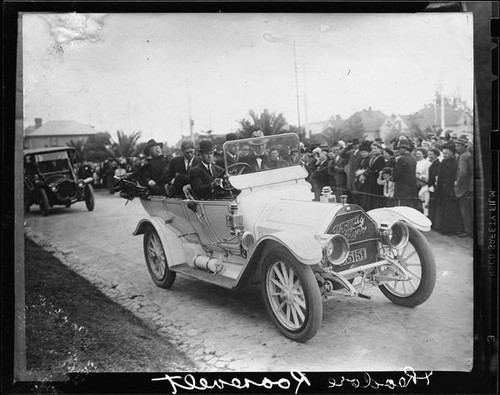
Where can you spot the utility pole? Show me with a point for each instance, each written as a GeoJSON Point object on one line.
{"type": "Point", "coordinates": [305, 96]}
{"type": "Point", "coordinates": [296, 82]}
{"type": "Point", "coordinates": [191, 122]}
{"type": "Point", "coordinates": [128, 116]}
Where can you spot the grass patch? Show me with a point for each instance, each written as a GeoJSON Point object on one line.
{"type": "Point", "coordinates": [71, 326]}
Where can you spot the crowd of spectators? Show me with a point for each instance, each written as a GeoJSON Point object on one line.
{"type": "Point", "coordinates": [434, 176]}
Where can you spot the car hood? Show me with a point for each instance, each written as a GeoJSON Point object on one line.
{"type": "Point", "coordinates": [283, 207]}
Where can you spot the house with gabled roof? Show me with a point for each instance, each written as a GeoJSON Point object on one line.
{"type": "Point", "coordinates": [372, 122]}
{"type": "Point", "coordinates": [56, 133]}
{"type": "Point", "coordinates": [394, 124]}
{"type": "Point", "coordinates": [457, 118]}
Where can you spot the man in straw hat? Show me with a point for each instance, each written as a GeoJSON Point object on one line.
{"type": "Point", "coordinates": [405, 177]}
{"type": "Point", "coordinates": [154, 173]}
{"type": "Point", "coordinates": [464, 185]}
{"type": "Point", "coordinates": [257, 159]}
{"type": "Point", "coordinates": [206, 178]}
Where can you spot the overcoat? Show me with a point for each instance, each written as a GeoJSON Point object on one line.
{"type": "Point", "coordinates": [404, 177]}
{"type": "Point", "coordinates": [201, 180]}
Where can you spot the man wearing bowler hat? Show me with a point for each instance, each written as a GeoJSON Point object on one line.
{"type": "Point", "coordinates": [154, 172]}
{"type": "Point", "coordinates": [206, 178]}
{"type": "Point", "coordinates": [178, 172]}
{"type": "Point", "coordinates": [464, 185]}
{"type": "Point", "coordinates": [404, 176]}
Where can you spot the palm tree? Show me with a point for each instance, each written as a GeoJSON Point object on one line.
{"type": "Point", "coordinates": [269, 123]}
{"type": "Point", "coordinates": [125, 146]}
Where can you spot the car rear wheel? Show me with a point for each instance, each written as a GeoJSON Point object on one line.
{"type": "Point", "coordinates": [44, 203]}
{"type": "Point", "coordinates": [417, 258]}
{"type": "Point", "coordinates": [89, 197]}
{"type": "Point", "coordinates": [156, 260]}
{"type": "Point", "coordinates": [291, 295]}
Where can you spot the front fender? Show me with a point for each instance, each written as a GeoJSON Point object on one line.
{"type": "Point", "coordinates": [302, 245]}
{"type": "Point", "coordinates": [172, 244]}
{"type": "Point", "coordinates": [401, 213]}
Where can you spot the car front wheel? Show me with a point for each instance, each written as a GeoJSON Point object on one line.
{"type": "Point", "coordinates": [291, 295]}
{"type": "Point", "coordinates": [417, 258]}
{"type": "Point", "coordinates": [89, 197]}
{"type": "Point", "coordinates": [156, 260]}
{"type": "Point", "coordinates": [44, 203]}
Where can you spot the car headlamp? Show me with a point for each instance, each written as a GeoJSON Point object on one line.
{"type": "Point", "coordinates": [335, 249]}
{"type": "Point", "coordinates": [396, 234]}
{"type": "Point", "coordinates": [81, 184]}
{"type": "Point", "coordinates": [54, 188]}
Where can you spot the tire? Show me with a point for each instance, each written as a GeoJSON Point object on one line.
{"type": "Point", "coordinates": [156, 261]}
{"type": "Point", "coordinates": [418, 259]}
{"type": "Point", "coordinates": [89, 197]}
{"type": "Point", "coordinates": [44, 202]}
{"type": "Point", "coordinates": [297, 314]}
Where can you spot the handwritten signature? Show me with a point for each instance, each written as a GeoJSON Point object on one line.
{"type": "Point", "coordinates": [409, 377]}
{"type": "Point", "coordinates": [189, 382]}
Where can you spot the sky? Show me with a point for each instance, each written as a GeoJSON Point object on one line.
{"type": "Point", "coordinates": [153, 72]}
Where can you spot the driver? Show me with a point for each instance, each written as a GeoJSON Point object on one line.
{"type": "Point", "coordinates": [257, 158]}
{"type": "Point", "coordinates": [231, 154]}
{"type": "Point", "coordinates": [206, 178]}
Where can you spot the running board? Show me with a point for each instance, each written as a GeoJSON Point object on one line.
{"type": "Point", "coordinates": [217, 279]}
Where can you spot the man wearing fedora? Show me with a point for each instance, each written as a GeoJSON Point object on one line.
{"type": "Point", "coordinates": [154, 173]}
{"type": "Point", "coordinates": [404, 177]}
{"type": "Point", "coordinates": [231, 154]}
{"type": "Point", "coordinates": [206, 178]}
{"type": "Point", "coordinates": [257, 158]}
{"type": "Point", "coordinates": [464, 185]}
{"type": "Point", "coordinates": [178, 173]}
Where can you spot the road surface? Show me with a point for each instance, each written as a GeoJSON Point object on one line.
{"type": "Point", "coordinates": [223, 330]}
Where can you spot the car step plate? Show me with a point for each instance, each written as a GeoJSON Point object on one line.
{"type": "Point", "coordinates": [209, 277]}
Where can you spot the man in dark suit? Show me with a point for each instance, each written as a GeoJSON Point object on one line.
{"type": "Point", "coordinates": [206, 178]}
{"type": "Point", "coordinates": [257, 159]}
{"type": "Point", "coordinates": [154, 173]}
{"type": "Point", "coordinates": [464, 185]}
{"type": "Point", "coordinates": [404, 176]}
{"type": "Point", "coordinates": [231, 152]}
{"type": "Point", "coordinates": [178, 172]}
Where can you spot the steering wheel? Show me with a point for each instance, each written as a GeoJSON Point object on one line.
{"type": "Point", "coordinates": [237, 168]}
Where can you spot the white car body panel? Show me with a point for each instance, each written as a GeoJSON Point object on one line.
{"type": "Point", "coordinates": [401, 213]}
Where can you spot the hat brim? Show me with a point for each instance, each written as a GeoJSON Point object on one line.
{"type": "Point", "coordinates": [258, 142]}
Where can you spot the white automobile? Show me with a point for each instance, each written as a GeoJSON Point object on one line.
{"type": "Point", "coordinates": [305, 252]}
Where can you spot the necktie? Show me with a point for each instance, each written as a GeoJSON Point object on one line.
{"type": "Point", "coordinates": [210, 170]}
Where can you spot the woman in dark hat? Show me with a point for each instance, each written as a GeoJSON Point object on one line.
{"type": "Point", "coordinates": [433, 155]}
{"type": "Point", "coordinates": [375, 192]}
{"type": "Point", "coordinates": [448, 217]}
{"type": "Point", "coordinates": [359, 184]}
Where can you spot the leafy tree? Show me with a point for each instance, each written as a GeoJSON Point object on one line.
{"type": "Point", "coordinates": [353, 128]}
{"type": "Point", "coordinates": [79, 146]}
{"type": "Point", "coordinates": [98, 147]}
{"type": "Point", "coordinates": [125, 146]}
{"type": "Point", "coordinates": [269, 123]}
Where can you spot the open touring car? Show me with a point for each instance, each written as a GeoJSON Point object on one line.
{"type": "Point", "coordinates": [304, 252]}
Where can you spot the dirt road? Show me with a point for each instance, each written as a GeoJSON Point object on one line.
{"type": "Point", "coordinates": [230, 330]}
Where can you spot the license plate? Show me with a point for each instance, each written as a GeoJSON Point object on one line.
{"type": "Point", "coordinates": [356, 256]}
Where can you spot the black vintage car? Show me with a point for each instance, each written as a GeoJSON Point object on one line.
{"type": "Point", "coordinates": [50, 179]}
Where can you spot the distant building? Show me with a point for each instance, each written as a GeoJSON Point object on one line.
{"type": "Point", "coordinates": [372, 122]}
{"type": "Point", "coordinates": [56, 133]}
{"type": "Point", "coordinates": [319, 127]}
{"type": "Point", "coordinates": [457, 117]}
{"type": "Point", "coordinates": [395, 124]}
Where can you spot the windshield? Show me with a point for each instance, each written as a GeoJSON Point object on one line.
{"type": "Point", "coordinates": [53, 162]}
{"type": "Point", "coordinates": [263, 160]}
{"type": "Point", "coordinates": [261, 154]}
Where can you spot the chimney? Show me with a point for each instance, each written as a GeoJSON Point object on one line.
{"type": "Point", "coordinates": [38, 122]}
